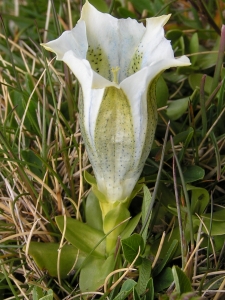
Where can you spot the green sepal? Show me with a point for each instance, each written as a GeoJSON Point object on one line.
{"type": "Point", "coordinates": [46, 255]}
{"type": "Point", "coordinates": [82, 236]}
{"type": "Point", "coordinates": [94, 273]}
{"type": "Point", "coordinates": [101, 197]}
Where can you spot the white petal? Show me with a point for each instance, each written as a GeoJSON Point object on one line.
{"type": "Point", "coordinates": [144, 114]}
{"type": "Point", "coordinates": [114, 144]}
{"type": "Point", "coordinates": [110, 40]}
{"type": "Point", "coordinates": [75, 40]}
{"type": "Point", "coordinates": [153, 46]}
{"type": "Point", "coordinates": [92, 86]}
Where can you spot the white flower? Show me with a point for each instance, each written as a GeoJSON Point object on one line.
{"type": "Point", "coordinates": [117, 62]}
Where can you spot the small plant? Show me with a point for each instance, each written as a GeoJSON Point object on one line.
{"type": "Point", "coordinates": [155, 230]}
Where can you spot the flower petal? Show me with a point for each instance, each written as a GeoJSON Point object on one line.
{"type": "Point", "coordinates": [114, 143]}
{"type": "Point", "coordinates": [74, 40]}
{"type": "Point", "coordinates": [153, 46]}
{"type": "Point", "coordinates": [140, 91]}
{"type": "Point", "coordinates": [116, 44]}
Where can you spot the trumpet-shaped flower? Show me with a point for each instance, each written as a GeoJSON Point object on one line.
{"type": "Point", "coordinates": [117, 63]}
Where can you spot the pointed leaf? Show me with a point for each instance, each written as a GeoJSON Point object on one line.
{"type": "Point", "coordinates": [169, 255]}
{"type": "Point", "coordinates": [177, 108]}
{"type": "Point", "coordinates": [144, 274]}
{"type": "Point", "coordinates": [182, 282]}
{"type": "Point", "coordinates": [199, 199]}
{"type": "Point", "coordinates": [93, 274]}
{"type": "Point", "coordinates": [135, 295]}
{"type": "Point", "coordinates": [41, 252]}
{"type": "Point", "coordinates": [150, 288]}
{"type": "Point", "coordinates": [132, 224]}
{"type": "Point", "coordinates": [93, 212]}
{"type": "Point", "coordinates": [193, 173]}
{"type": "Point", "coordinates": [146, 203]}
{"type": "Point", "coordinates": [82, 236]}
{"type": "Point", "coordinates": [163, 280]}
{"type": "Point", "coordinates": [126, 289]}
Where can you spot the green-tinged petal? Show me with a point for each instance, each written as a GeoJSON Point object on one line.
{"type": "Point", "coordinates": [112, 42]}
{"type": "Point", "coordinates": [114, 143]}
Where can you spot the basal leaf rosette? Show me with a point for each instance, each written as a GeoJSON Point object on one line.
{"type": "Point", "coordinates": [117, 63]}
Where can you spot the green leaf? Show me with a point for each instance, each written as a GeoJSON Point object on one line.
{"type": "Point", "coordinates": [177, 40]}
{"type": "Point", "coordinates": [169, 255]}
{"type": "Point", "coordinates": [177, 108]}
{"type": "Point", "coordinates": [37, 293]}
{"type": "Point", "coordinates": [132, 224]}
{"type": "Point", "coordinates": [194, 47]}
{"type": "Point", "coordinates": [150, 290]}
{"type": "Point", "coordinates": [209, 60]}
{"type": "Point", "coordinates": [144, 274]}
{"type": "Point", "coordinates": [131, 247]}
{"type": "Point", "coordinates": [49, 295]}
{"type": "Point", "coordinates": [182, 282]}
{"type": "Point", "coordinates": [218, 227]}
{"type": "Point", "coordinates": [195, 81]}
{"type": "Point", "coordinates": [126, 289]}
{"type": "Point", "coordinates": [162, 93]}
{"type": "Point", "coordinates": [199, 199]}
{"type": "Point", "coordinates": [140, 5]}
{"type": "Point", "coordinates": [193, 173]}
{"type": "Point", "coordinates": [135, 295]}
{"type": "Point", "coordinates": [94, 273]}
{"type": "Point", "coordinates": [93, 212]}
{"type": "Point", "coordinates": [41, 252]}
{"type": "Point", "coordinates": [82, 236]}
{"type": "Point", "coordinates": [174, 35]}
{"type": "Point", "coordinates": [33, 162]}
{"type": "Point", "coordinates": [182, 137]}
{"type": "Point", "coordinates": [100, 5]}
{"type": "Point", "coordinates": [163, 280]}
{"type": "Point", "coordinates": [125, 13]}
{"type": "Point", "coordinates": [217, 215]}
{"type": "Point", "coordinates": [165, 195]}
